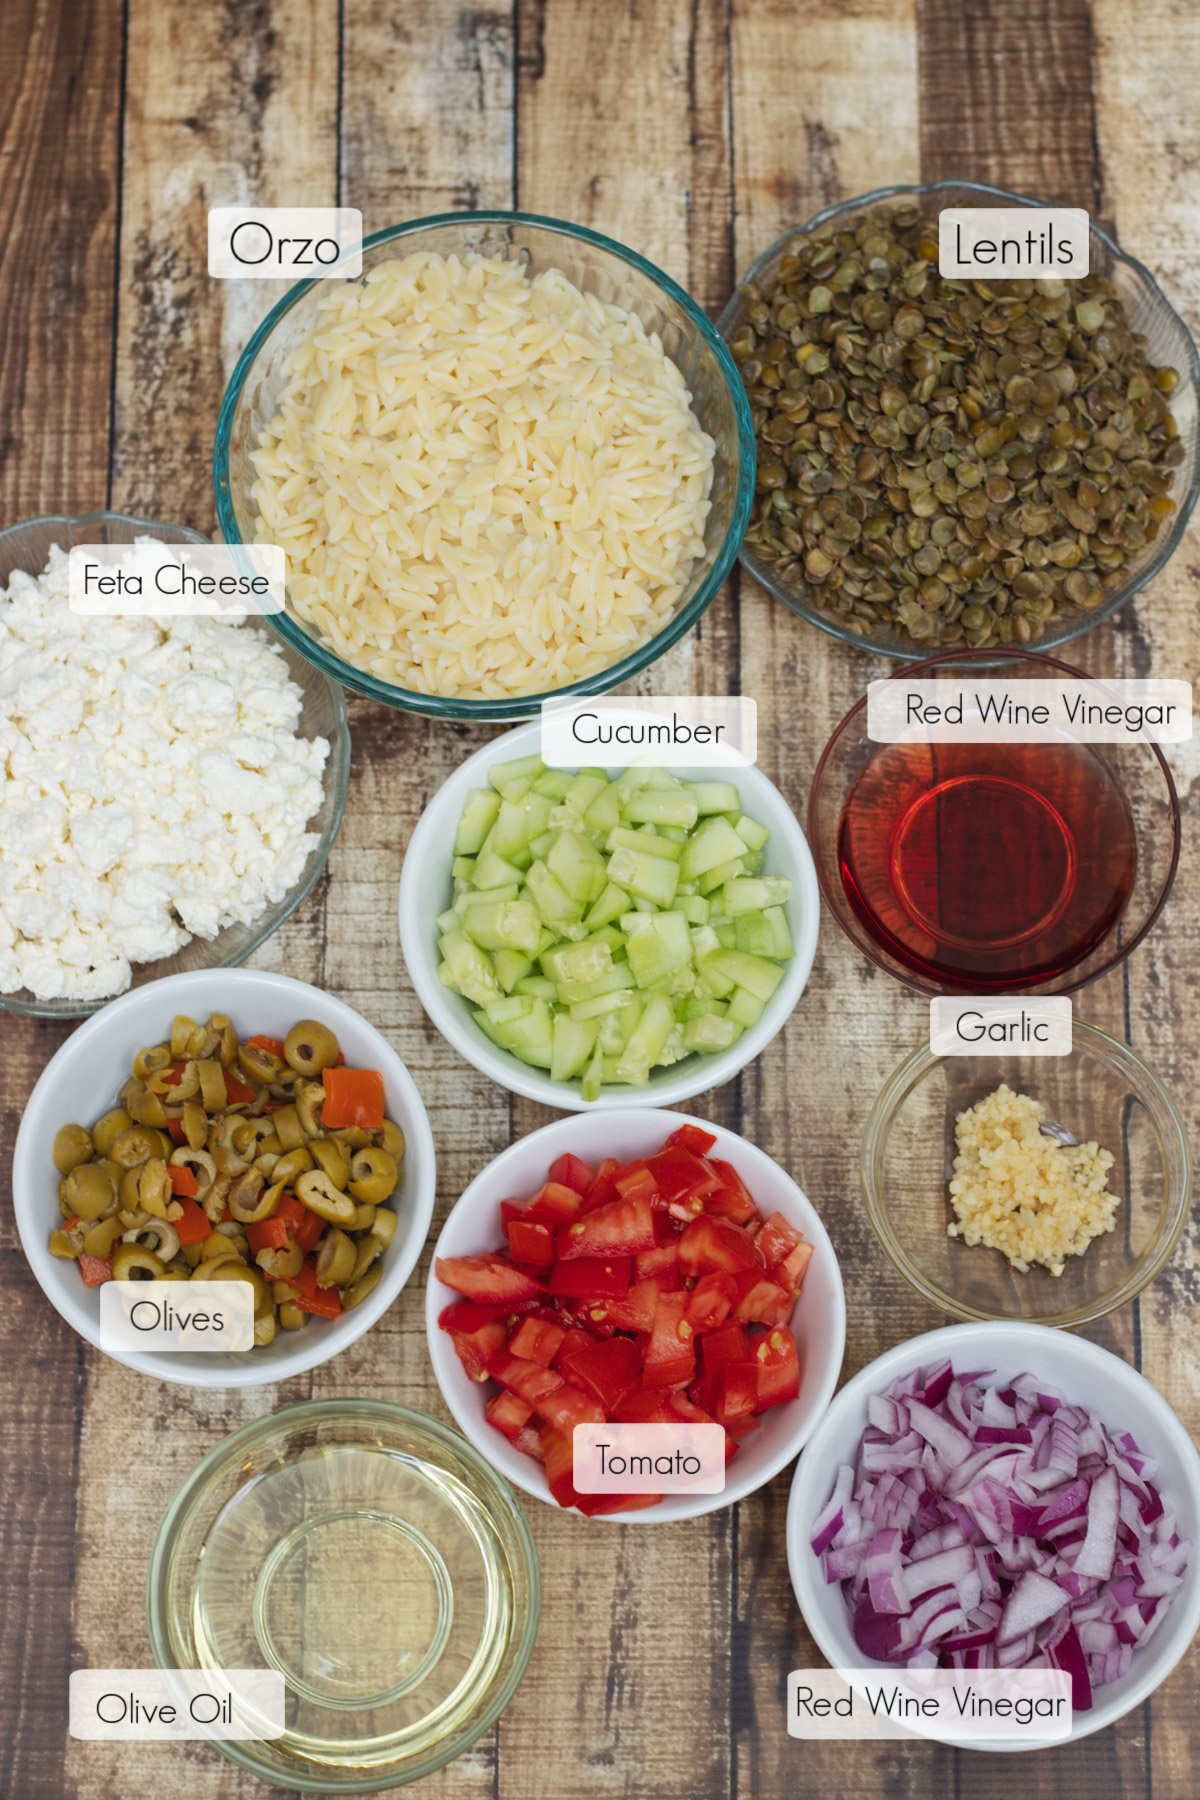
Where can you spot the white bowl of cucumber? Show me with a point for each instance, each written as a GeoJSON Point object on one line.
{"type": "Point", "coordinates": [608, 937]}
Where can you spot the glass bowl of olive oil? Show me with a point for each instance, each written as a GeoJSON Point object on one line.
{"type": "Point", "coordinates": [372, 1558]}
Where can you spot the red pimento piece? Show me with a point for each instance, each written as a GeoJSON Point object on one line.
{"type": "Point", "coordinates": [268, 1234]}
{"type": "Point", "coordinates": [193, 1224]}
{"type": "Point", "coordinates": [272, 1046]}
{"type": "Point", "coordinates": [94, 1269]}
{"type": "Point", "coordinates": [352, 1097]}
{"type": "Point", "coordinates": [326, 1303]}
{"type": "Point", "coordinates": [304, 1225]}
{"type": "Point", "coordinates": [183, 1180]}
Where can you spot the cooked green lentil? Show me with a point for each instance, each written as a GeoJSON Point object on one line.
{"type": "Point", "coordinates": [953, 461]}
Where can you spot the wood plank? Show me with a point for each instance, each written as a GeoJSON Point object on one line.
{"type": "Point", "coordinates": [1006, 97]}
{"type": "Point", "coordinates": [1149, 144]}
{"type": "Point", "coordinates": [60, 85]}
{"type": "Point", "coordinates": [799, 144]}
{"type": "Point", "coordinates": [621, 125]}
{"type": "Point", "coordinates": [60, 98]}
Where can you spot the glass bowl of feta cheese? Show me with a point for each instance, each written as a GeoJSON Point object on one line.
{"type": "Point", "coordinates": [170, 789]}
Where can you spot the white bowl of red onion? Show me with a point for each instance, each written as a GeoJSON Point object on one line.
{"type": "Point", "coordinates": [1050, 1522]}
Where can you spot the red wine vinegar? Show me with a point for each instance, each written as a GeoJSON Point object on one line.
{"type": "Point", "coordinates": [987, 865]}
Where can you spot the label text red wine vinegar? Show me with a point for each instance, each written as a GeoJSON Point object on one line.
{"type": "Point", "coordinates": [988, 865]}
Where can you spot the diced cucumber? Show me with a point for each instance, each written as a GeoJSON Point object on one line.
{"type": "Point", "coordinates": [577, 963]}
{"type": "Point", "coordinates": [513, 780]}
{"type": "Point", "coordinates": [517, 824]}
{"type": "Point", "coordinates": [751, 832]}
{"type": "Point", "coordinates": [451, 920]}
{"type": "Point", "coordinates": [537, 987]}
{"type": "Point", "coordinates": [783, 949]}
{"type": "Point", "coordinates": [478, 817]}
{"type": "Point", "coordinates": [602, 1004]}
{"type": "Point", "coordinates": [646, 842]}
{"type": "Point", "coordinates": [652, 877]}
{"type": "Point", "coordinates": [604, 811]}
{"type": "Point", "coordinates": [694, 907]}
{"type": "Point", "coordinates": [662, 806]}
{"type": "Point", "coordinates": [611, 904]}
{"type": "Point", "coordinates": [572, 1045]}
{"type": "Point", "coordinates": [493, 871]}
{"type": "Point", "coordinates": [709, 1033]}
{"type": "Point", "coordinates": [649, 1038]}
{"type": "Point", "coordinates": [474, 975]}
{"type": "Point", "coordinates": [754, 972]}
{"type": "Point", "coordinates": [753, 894]}
{"type": "Point", "coordinates": [713, 842]}
{"type": "Point", "coordinates": [704, 942]}
{"type": "Point", "coordinates": [549, 896]}
{"type": "Point", "coordinates": [554, 783]}
{"type": "Point", "coordinates": [578, 866]}
{"type": "Point", "coordinates": [715, 796]}
{"type": "Point", "coordinates": [503, 925]}
{"type": "Point", "coordinates": [620, 975]}
{"type": "Point", "coordinates": [700, 1009]}
{"type": "Point", "coordinates": [462, 868]}
{"type": "Point", "coordinates": [712, 879]}
{"type": "Point", "coordinates": [659, 945]}
{"type": "Point", "coordinates": [511, 967]}
{"type": "Point", "coordinates": [745, 1008]}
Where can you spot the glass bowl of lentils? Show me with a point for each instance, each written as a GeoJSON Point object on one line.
{"type": "Point", "coordinates": [947, 462]}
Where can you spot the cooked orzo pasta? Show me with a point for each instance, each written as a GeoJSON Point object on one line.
{"type": "Point", "coordinates": [486, 484]}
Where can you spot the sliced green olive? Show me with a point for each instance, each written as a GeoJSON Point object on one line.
{"type": "Point", "coordinates": [159, 1236]}
{"type": "Point", "coordinates": [72, 1146]}
{"type": "Point", "coordinates": [135, 1146]}
{"type": "Point", "coordinates": [214, 1096]}
{"type": "Point", "coordinates": [90, 1190]}
{"type": "Point", "coordinates": [195, 1124]}
{"type": "Point", "coordinates": [369, 1250]}
{"type": "Point", "coordinates": [101, 1238]}
{"type": "Point", "coordinates": [310, 1047]}
{"type": "Point", "coordinates": [181, 1035]}
{"type": "Point", "coordinates": [373, 1175]}
{"type": "Point", "coordinates": [276, 1264]}
{"type": "Point", "coordinates": [366, 1284]}
{"type": "Point", "coordinates": [265, 1328]}
{"type": "Point", "coordinates": [133, 1263]}
{"type": "Point", "coordinates": [259, 1066]}
{"type": "Point", "coordinates": [320, 1196]}
{"type": "Point", "coordinates": [364, 1218]}
{"type": "Point", "coordinates": [218, 1247]}
{"type": "Point", "coordinates": [354, 1137]}
{"type": "Point", "coordinates": [107, 1130]}
{"type": "Point", "coordinates": [250, 1200]}
{"type": "Point", "coordinates": [385, 1225]}
{"type": "Point", "coordinates": [149, 1062]}
{"type": "Point", "coordinates": [61, 1245]}
{"type": "Point", "coordinates": [294, 1163]}
{"type": "Point", "coordinates": [290, 1316]}
{"type": "Point", "coordinates": [288, 1128]}
{"type": "Point", "coordinates": [200, 1163]}
{"type": "Point", "coordinates": [391, 1139]}
{"type": "Point", "coordinates": [335, 1259]}
{"type": "Point", "coordinates": [332, 1158]}
{"type": "Point", "coordinates": [231, 1269]}
{"type": "Point", "coordinates": [144, 1107]}
{"type": "Point", "coordinates": [310, 1098]}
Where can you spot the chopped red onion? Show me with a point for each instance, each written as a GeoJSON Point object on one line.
{"type": "Point", "coordinates": [992, 1528]}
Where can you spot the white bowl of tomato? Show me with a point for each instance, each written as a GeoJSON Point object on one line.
{"type": "Point", "coordinates": [637, 1266]}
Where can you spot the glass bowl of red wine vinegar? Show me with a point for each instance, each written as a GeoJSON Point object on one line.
{"type": "Point", "coordinates": [993, 867]}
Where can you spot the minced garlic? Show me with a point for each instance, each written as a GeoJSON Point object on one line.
{"type": "Point", "coordinates": [1021, 1192]}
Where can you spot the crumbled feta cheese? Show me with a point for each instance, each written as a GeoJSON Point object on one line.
{"type": "Point", "coordinates": [152, 786]}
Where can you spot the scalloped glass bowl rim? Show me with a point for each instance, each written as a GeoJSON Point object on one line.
{"type": "Point", "coordinates": [1075, 627]}
{"type": "Point", "coordinates": [297, 1415]}
{"type": "Point", "coordinates": [885, 1109]}
{"type": "Point", "coordinates": [978, 659]}
{"type": "Point", "coordinates": [519, 706]}
{"type": "Point", "coordinates": [272, 918]}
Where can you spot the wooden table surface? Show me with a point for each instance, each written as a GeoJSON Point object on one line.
{"type": "Point", "coordinates": [695, 131]}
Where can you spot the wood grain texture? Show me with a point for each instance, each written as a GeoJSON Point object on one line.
{"type": "Point", "coordinates": [695, 131]}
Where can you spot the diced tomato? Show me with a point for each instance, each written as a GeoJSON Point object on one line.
{"type": "Point", "coordinates": [537, 1340]}
{"type": "Point", "coordinates": [636, 1310]}
{"type": "Point", "coordinates": [591, 1277]}
{"type": "Point", "coordinates": [576, 1339]}
{"type": "Point", "coordinates": [738, 1393]}
{"type": "Point", "coordinates": [776, 1239]}
{"type": "Point", "coordinates": [691, 1137]}
{"type": "Point", "coordinates": [660, 1264]}
{"type": "Point", "coordinates": [622, 1228]}
{"type": "Point", "coordinates": [510, 1210]}
{"type": "Point", "coordinates": [761, 1301]}
{"type": "Point", "coordinates": [193, 1224]}
{"type": "Point", "coordinates": [326, 1302]}
{"type": "Point", "coordinates": [568, 1406]}
{"type": "Point", "coordinates": [507, 1413]}
{"type": "Point", "coordinates": [175, 1127]}
{"type": "Point", "coordinates": [635, 1182]}
{"type": "Point", "coordinates": [645, 1406]}
{"type": "Point", "coordinates": [352, 1097]}
{"type": "Point", "coordinates": [237, 1092]}
{"type": "Point", "coordinates": [589, 1317]}
{"type": "Point", "coordinates": [778, 1364]}
{"type": "Point", "coordinates": [727, 1344]}
{"type": "Point", "coordinates": [469, 1315]}
{"type": "Point", "coordinates": [791, 1271]}
{"type": "Point", "coordinates": [606, 1370]}
{"type": "Point", "coordinates": [272, 1046]}
{"type": "Point", "coordinates": [603, 1187]}
{"type": "Point", "coordinates": [528, 1443]}
{"type": "Point", "coordinates": [717, 1246]}
{"type": "Point", "coordinates": [305, 1226]}
{"type": "Point", "coordinates": [571, 1172]}
{"type": "Point", "coordinates": [732, 1199]}
{"type": "Point", "coordinates": [559, 1457]}
{"type": "Point", "coordinates": [741, 1428]}
{"type": "Point", "coordinates": [681, 1176]}
{"type": "Point", "coordinates": [490, 1278]}
{"type": "Point", "coordinates": [183, 1180]}
{"type": "Point", "coordinates": [94, 1269]}
{"type": "Point", "coordinates": [711, 1301]}
{"type": "Point", "coordinates": [553, 1205]}
{"type": "Point", "coordinates": [268, 1234]}
{"type": "Point", "coordinates": [531, 1243]}
{"type": "Point", "coordinates": [524, 1377]}
{"type": "Point", "coordinates": [479, 1346]}
{"type": "Point", "coordinates": [671, 1352]}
